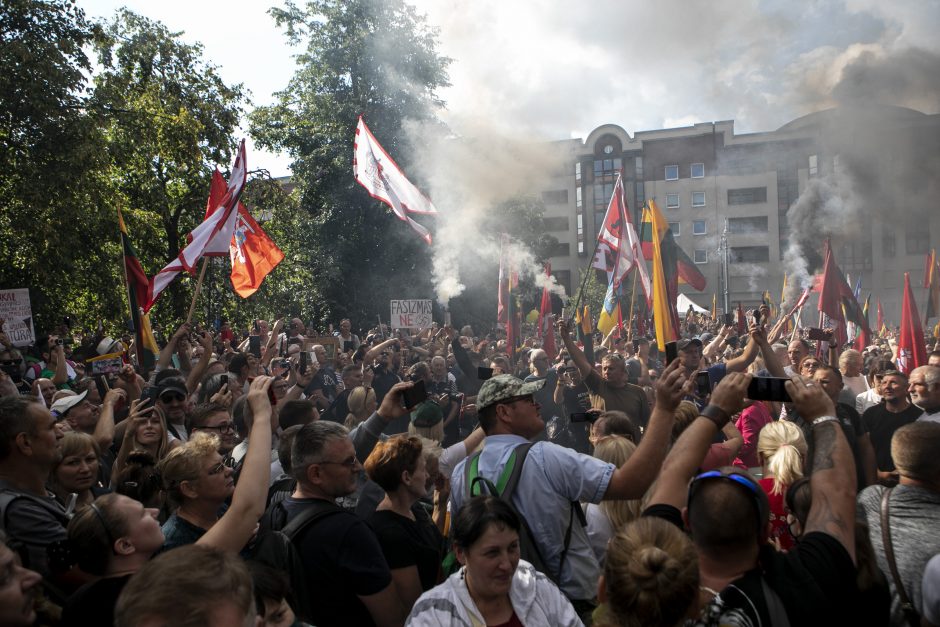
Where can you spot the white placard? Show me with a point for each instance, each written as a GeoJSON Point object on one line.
{"type": "Point", "coordinates": [411, 314]}
{"type": "Point", "coordinates": [17, 315]}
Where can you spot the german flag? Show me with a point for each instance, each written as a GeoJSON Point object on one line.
{"type": "Point", "coordinates": [137, 292]}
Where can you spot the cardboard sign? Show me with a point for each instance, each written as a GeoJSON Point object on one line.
{"type": "Point", "coordinates": [17, 314]}
{"type": "Point", "coordinates": [329, 343]}
{"type": "Point", "coordinates": [411, 314]}
{"type": "Point", "coordinates": [106, 364]}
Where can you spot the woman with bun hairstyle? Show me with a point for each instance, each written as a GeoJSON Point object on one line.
{"type": "Point", "coordinates": [650, 576]}
{"type": "Point", "coordinates": [781, 449]}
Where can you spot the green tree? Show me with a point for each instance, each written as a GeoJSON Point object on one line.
{"type": "Point", "coordinates": [168, 119]}
{"type": "Point", "coordinates": [372, 57]}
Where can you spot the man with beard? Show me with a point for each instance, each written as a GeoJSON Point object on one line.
{"type": "Point", "coordinates": [172, 401]}
{"type": "Point", "coordinates": [882, 420]}
{"type": "Point", "coordinates": [925, 391]}
{"type": "Point", "coordinates": [29, 449]}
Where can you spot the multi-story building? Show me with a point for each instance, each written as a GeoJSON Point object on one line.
{"type": "Point", "coordinates": [877, 172]}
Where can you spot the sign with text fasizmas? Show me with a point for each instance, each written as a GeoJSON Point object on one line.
{"type": "Point", "coordinates": [411, 314]}
{"type": "Point", "coordinates": [17, 316]}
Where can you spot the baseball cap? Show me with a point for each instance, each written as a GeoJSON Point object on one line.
{"type": "Point", "coordinates": [503, 387]}
{"type": "Point", "coordinates": [64, 404]}
{"type": "Point", "coordinates": [684, 344]}
{"type": "Point", "coordinates": [172, 384]}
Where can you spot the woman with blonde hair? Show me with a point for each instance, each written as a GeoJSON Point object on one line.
{"type": "Point", "coordinates": [361, 404]}
{"type": "Point", "coordinates": [650, 576]}
{"type": "Point", "coordinates": [144, 430]}
{"type": "Point", "coordinates": [608, 517]}
{"type": "Point", "coordinates": [77, 471]}
{"type": "Point", "coordinates": [781, 450]}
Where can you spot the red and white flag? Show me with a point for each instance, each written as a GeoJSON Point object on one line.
{"type": "Point", "coordinates": [619, 236]}
{"type": "Point", "coordinates": [375, 170]}
{"type": "Point", "coordinates": [912, 352]}
{"type": "Point", "coordinates": [211, 237]}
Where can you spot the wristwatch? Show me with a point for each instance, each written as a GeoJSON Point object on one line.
{"type": "Point", "coordinates": [716, 414]}
{"type": "Point", "coordinates": [822, 419]}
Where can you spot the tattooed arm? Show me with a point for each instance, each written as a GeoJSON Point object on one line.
{"type": "Point", "coordinates": [833, 479]}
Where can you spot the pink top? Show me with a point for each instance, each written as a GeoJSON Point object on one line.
{"type": "Point", "coordinates": [749, 423]}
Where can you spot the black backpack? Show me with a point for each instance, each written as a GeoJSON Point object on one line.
{"type": "Point", "coordinates": [504, 489]}
{"type": "Point", "coordinates": [275, 546]}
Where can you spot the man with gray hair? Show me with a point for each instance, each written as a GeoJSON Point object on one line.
{"type": "Point", "coordinates": [348, 579]}
{"type": "Point", "coordinates": [924, 386]}
{"type": "Point", "coordinates": [912, 510]}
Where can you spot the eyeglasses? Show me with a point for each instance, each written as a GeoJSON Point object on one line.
{"type": "Point", "coordinates": [515, 399]}
{"type": "Point", "coordinates": [225, 427]}
{"type": "Point", "coordinates": [228, 462]}
{"type": "Point", "coordinates": [172, 398]}
{"type": "Point", "coordinates": [350, 462]}
{"type": "Point", "coordinates": [753, 489]}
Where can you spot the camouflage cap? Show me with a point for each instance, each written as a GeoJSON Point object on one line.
{"type": "Point", "coordinates": [503, 387]}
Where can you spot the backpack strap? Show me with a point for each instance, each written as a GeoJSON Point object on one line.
{"type": "Point", "coordinates": [311, 513]}
{"type": "Point", "coordinates": [910, 612]}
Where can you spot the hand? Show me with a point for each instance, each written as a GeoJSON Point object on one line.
{"type": "Point", "coordinates": [392, 404]}
{"type": "Point", "coordinates": [729, 394]}
{"type": "Point", "coordinates": [757, 333]}
{"type": "Point", "coordinates": [672, 386]}
{"type": "Point", "coordinates": [258, 395]}
{"type": "Point", "coordinates": [563, 329]}
{"type": "Point", "coordinates": [449, 332]}
{"type": "Point", "coordinates": [222, 397]}
{"type": "Point", "coordinates": [139, 414]}
{"type": "Point", "coordinates": [181, 332]}
{"type": "Point", "coordinates": [367, 375]}
{"type": "Point", "coordinates": [206, 340]}
{"type": "Point", "coordinates": [128, 375]}
{"type": "Point", "coordinates": [113, 396]}
{"type": "Point", "coordinates": [809, 398]}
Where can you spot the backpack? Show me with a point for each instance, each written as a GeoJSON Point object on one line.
{"type": "Point", "coordinates": [276, 547]}
{"type": "Point", "coordinates": [504, 489]}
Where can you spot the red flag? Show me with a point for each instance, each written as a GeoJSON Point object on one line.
{"type": "Point", "coordinates": [742, 325]}
{"type": "Point", "coordinates": [253, 254]}
{"type": "Point", "coordinates": [911, 349]}
{"type": "Point", "coordinates": [508, 281]}
{"type": "Point", "coordinates": [835, 295]}
{"type": "Point", "coordinates": [545, 316]}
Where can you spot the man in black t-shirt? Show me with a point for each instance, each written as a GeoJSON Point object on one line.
{"type": "Point", "coordinates": [322, 389]}
{"type": "Point", "coordinates": [348, 578]}
{"type": "Point", "coordinates": [883, 419]}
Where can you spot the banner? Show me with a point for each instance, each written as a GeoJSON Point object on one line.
{"type": "Point", "coordinates": [411, 314]}
{"type": "Point", "coordinates": [17, 316]}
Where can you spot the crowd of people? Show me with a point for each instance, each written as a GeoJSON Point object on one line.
{"type": "Point", "coordinates": [280, 476]}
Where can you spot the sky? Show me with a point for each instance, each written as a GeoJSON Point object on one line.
{"type": "Point", "coordinates": [552, 69]}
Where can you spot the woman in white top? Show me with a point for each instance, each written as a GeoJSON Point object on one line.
{"type": "Point", "coordinates": [606, 518]}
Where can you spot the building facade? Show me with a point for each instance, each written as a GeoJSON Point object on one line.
{"type": "Point", "coordinates": [867, 177]}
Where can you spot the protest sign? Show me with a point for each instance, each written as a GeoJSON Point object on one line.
{"type": "Point", "coordinates": [411, 314]}
{"type": "Point", "coordinates": [17, 314]}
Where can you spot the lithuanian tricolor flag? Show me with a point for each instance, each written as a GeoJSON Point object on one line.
{"type": "Point", "coordinates": [137, 287]}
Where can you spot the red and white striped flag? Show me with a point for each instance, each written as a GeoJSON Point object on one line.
{"type": "Point", "coordinates": [375, 170]}
{"type": "Point", "coordinates": [210, 238]}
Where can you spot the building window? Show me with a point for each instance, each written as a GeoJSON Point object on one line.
{"type": "Point", "coordinates": [813, 165]}
{"type": "Point", "coordinates": [674, 227]}
{"type": "Point", "coordinates": [701, 255]}
{"type": "Point", "coordinates": [577, 171]}
{"type": "Point", "coordinates": [638, 164]}
{"type": "Point", "coordinates": [563, 277]}
{"type": "Point", "coordinates": [757, 224]}
{"type": "Point", "coordinates": [555, 197]}
{"type": "Point", "coordinates": [749, 254]}
{"type": "Point", "coordinates": [672, 173]}
{"type": "Point", "coordinates": [602, 194]}
{"type": "Point", "coordinates": [747, 195]}
{"type": "Point", "coordinates": [889, 243]}
{"type": "Point", "coordinates": [640, 194]}
{"type": "Point", "coordinates": [698, 227]}
{"type": "Point", "coordinates": [606, 167]}
{"type": "Point", "coordinates": [577, 196]}
{"type": "Point", "coordinates": [698, 170]}
{"type": "Point", "coordinates": [917, 237]}
{"type": "Point", "coordinates": [698, 199]}
{"type": "Point", "coordinates": [561, 249]}
{"type": "Point", "coordinates": [672, 201]}
{"type": "Point", "coordinates": [556, 224]}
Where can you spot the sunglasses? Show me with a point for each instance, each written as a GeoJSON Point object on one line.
{"type": "Point", "coordinates": [228, 462]}
{"type": "Point", "coordinates": [172, 398]}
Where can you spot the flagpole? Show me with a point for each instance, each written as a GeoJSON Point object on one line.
{"type": "Point", "coordinates": [636, 271]}
{"type": "Point", "coordinates": [587, 274]}
{"type": "Point", "coordinates": [202, 273]}
{"type": "Point", "coordinates": [138, 333]}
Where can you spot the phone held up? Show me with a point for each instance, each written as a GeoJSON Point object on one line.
{"type": "Point", "coordinates": [415, 395]}
{"type": "Point", "coordinates": [768, 389]}
{"type": "Point", "coordinates": [817, 334]}
{"type": "Point", "coordinates": [703, 384]}
{"type": "Point", "coordinates": [672, 351]}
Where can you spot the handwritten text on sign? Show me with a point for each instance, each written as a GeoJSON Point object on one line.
{"type": "Point", "coordinates": [411, 314]}
{"type": "Point", "coordinates": [17, 314]}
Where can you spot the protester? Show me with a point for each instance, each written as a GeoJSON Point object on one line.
{"type": "Point", "coordinates": [608, 517]}
{"type": "Point", "coordinates": [781, 450]}
{"type": "Point", "coordinates": [76, 472]}
{"type": "Point", "coordinates": [19, 588]}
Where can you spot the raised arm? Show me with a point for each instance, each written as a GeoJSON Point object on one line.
{"type": "Point", "coordinates": [374, 352]}
{"type": "Point", "coordinates": [577, 356]}
{"type": "Point", "coordinates": [166, 353]}
{"type": "Point", "coordinates": [233, 531]}
{"type": "Point", "coordinates": [61, 366]}
{"type": "Point", "coordinates": [104, 428]}
{"type": "Point", "coordinates": [745, 359]}
{"type": "Point", "coordinates": [689, 450]}
{"type": "Point", "coordinates": [631, 480]}
{"type": "Point", "coordinates": [833, 479]}
{"type": "Point", "coordinates": [195, 375]}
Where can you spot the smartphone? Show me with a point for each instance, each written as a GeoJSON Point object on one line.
{"type": "Point", "coordinates": [672, 351]}
{"type": "Point", "coordinates": [757, 316]}
{"type": "Point", "coordinates": [415, 395]}
{"type": "Point", "coordinates": [703, 384]}
{"type": "Point", "coordinates": [254, 345]}
{"type": "Point", "coordinates": [768, 389]}
{"type": "Point", "coordinates": [224, 379]}
{"type": "Point", "coordinates": [817, 334]}
{"type": "Point", "coordinates": [729, 319]}
{"type": "Point", "coordinates": [303, 362]}
{"type": "Point", "coordinates": [484, 373]}
{"type": "Point", "coordinates": [101, 385]}
{"type": "Point", "coordinates": [583, 416]}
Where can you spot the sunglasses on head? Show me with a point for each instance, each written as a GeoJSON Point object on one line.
{"type": "Point", "coordinates": [753, 489]}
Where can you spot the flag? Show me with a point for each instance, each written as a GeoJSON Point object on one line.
{"type": "Point", "coordinates": [375, 170]}
{"type": "Point", "coordinates": [611, 309]}
{"type": "Point", "coordinates": [882, 331]}
{"type": "Point", "coordinates": [742, 323]}
{"type": "Point", "coordinates": [603, 260]}
{"type": "Point", "coordinates": [583, 326]}
{"type": "Point", "coordinates": [545, 330]}
{"type": "Point", "coordinates": [932, 281]}
{"type": "Point", "coordinates": [137, 284]}
{"type": "Point", "coordinates": [674, 258]}
{"type": "Point", "coordinates": [714, 312]}
{"type": "Point", "coordinates": [508, 284]}
{"type": "Point", "coordinates": [211, 237]}
{"type": "Point", "coordinates": [618, 236]}
{"type": "Point", "coordinates": [834, 295]}
{"type": "Point", "coordinates": [912, 352]}
{"type": "Point", "coordinates": [788, 325]}
{"type": "Point", "coordinates": [664, 304]}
